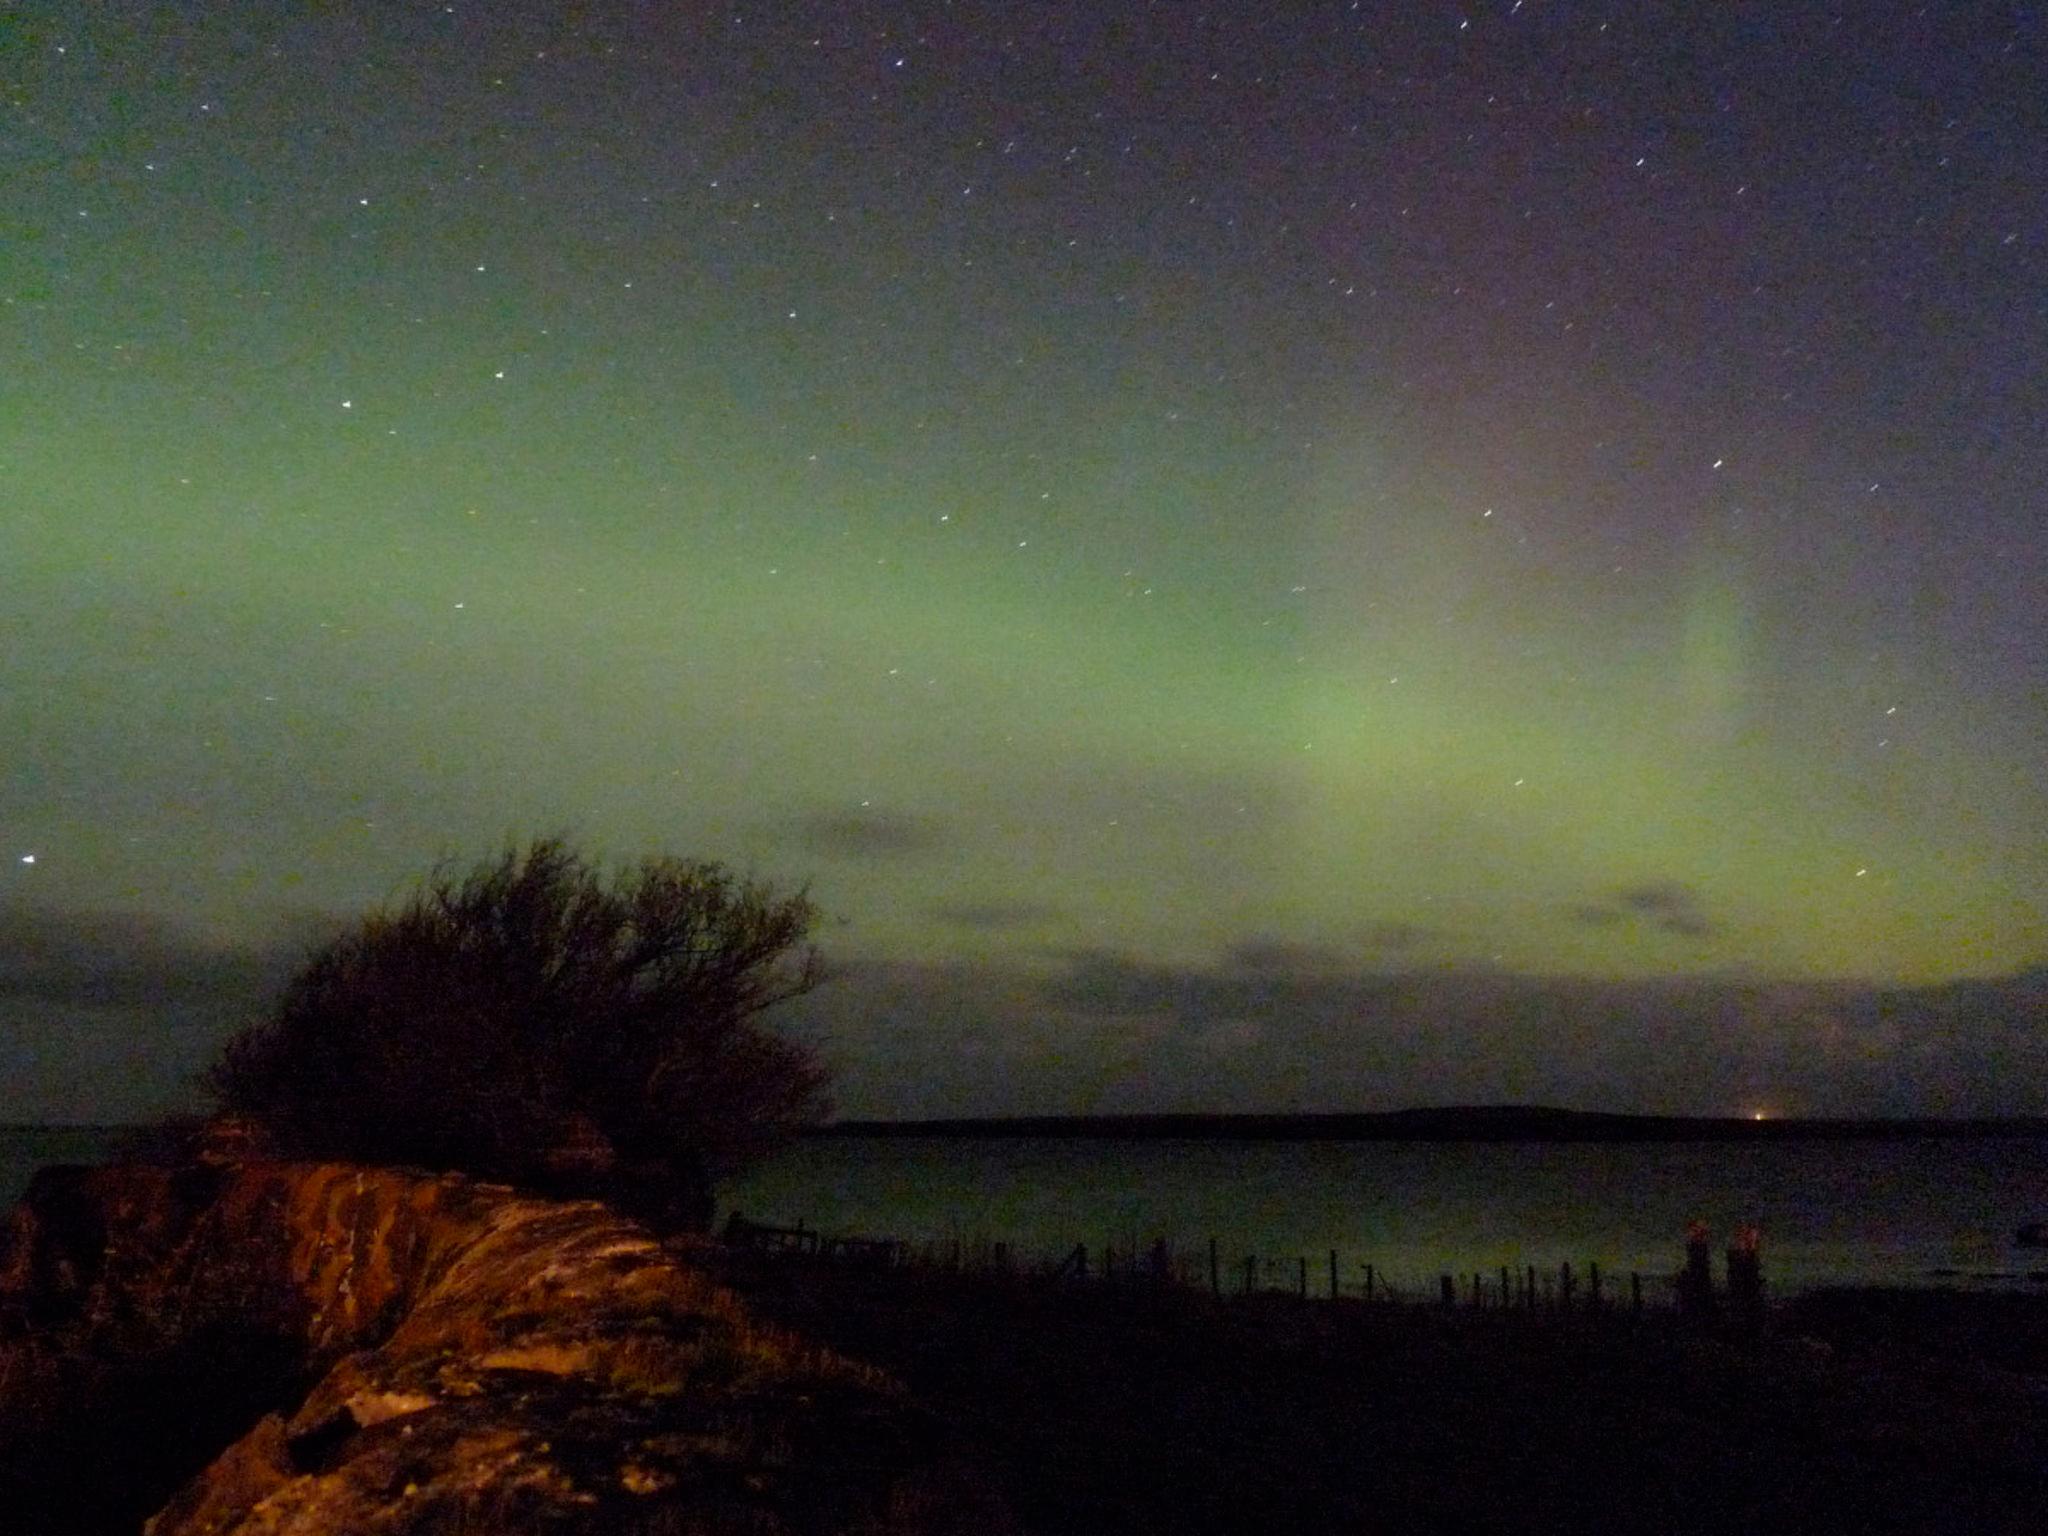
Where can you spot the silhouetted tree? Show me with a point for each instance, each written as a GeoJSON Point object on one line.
{"type": "Point", "coordinates": [536, 1022]}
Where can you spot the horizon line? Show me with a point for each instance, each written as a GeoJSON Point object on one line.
{"type": "Point", "coordinates": [1441, 1122]}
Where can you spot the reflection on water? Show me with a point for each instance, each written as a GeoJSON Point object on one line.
{"type": "Point", "coordinates": [1873, 1211]}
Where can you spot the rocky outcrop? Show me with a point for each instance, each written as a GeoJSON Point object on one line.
{"type": "Point", "coordinates": [299, 1349]}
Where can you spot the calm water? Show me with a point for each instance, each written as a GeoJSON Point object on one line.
{"type": "Point", "coordinates": [1847, 1211]}
{"type": "Point", "coordinates": [1855, 1211]}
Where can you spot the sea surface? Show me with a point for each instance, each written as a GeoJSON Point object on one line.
{"type": "Point", "coordinates": [1891, 1212]}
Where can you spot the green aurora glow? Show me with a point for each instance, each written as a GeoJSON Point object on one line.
{"type": "Point", "coordinates": [421, 428]}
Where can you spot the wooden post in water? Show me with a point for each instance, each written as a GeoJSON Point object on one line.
{"type": "Point", "coordinates": [1215, 1271]}
{"type": "Point", "coordinates": [1333, 1274]}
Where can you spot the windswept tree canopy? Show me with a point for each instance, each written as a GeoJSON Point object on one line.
{"type": "Point", "coordinates": [496, 1017]}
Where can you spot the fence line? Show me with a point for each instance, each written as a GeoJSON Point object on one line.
{"type": "Point", "coordinates": [1527, 1291]}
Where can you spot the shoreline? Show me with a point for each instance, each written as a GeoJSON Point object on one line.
{"type": "Point", "coordinates": [1503, 1123]}
{"type": "Point", "coordinates": [1467, 1123]}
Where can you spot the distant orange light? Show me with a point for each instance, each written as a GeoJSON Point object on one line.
{"type": "Point", "coordinates": [1758, 1115]}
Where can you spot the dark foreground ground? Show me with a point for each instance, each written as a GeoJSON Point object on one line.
{"type": "Point", "coordinates": [1134, 1411]}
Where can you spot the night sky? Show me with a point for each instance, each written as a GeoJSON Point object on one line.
{"type": "Point", "coordinates": [1309, 556]}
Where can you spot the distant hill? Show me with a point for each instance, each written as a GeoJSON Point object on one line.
{"type": "Point", "coordinates": [1488, 1122]}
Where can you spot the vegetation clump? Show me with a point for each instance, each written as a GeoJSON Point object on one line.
{"type": "Point", "coordinates": [536, 1021]}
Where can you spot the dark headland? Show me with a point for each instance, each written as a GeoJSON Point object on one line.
{"type": "Point", "coordinates": [1499, 1122]}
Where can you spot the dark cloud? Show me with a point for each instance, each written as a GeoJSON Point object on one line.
{"type": "Point", "coordinates": [1400, 937]}
{"type": "Point", "coordinates": [1254, 979]}
{"type": "Point", "coordinates": [1674, 908]}
{"type": "Point", "coordinates": [1263, 1028]}
{"type": "Point", "coordinates": [125, 960]}
{"type": "Point", "coordinates": [1670, 907]}
{"type": "Point", "coordinates": [1267, 956]}
{"type": "Point", "coordinates": [1104, 982]}
{"type": "Point", "coordinates": [864, 834]}
{"type": "Point", "coordinates": [995, 916]}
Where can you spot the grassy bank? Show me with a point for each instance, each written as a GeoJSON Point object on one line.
{"type": "Point", "coordinates": [1124, 1410]}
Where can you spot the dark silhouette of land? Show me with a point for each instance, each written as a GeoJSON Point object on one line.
{"type": "Point", "coordinates": [1501, 1122]}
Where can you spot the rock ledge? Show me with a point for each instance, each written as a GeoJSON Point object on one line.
{"type": "Point", "coordinates": [391, 1352]}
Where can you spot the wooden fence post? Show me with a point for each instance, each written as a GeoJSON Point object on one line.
{"type": "Point", "coordinates": [1696, 1284]}
{"type": "Point", "coordinates": [1746, 1277]}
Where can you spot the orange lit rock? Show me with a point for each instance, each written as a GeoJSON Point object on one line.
{"type": "Point", "coordinates": [337, 1349]}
